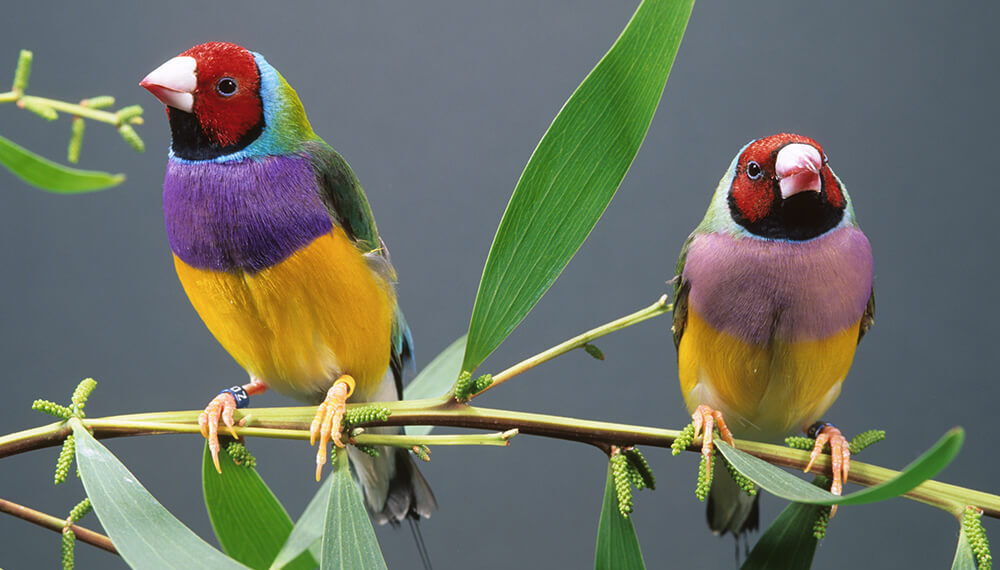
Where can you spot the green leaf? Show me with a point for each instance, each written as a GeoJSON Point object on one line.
{"type": "Point", "coordinates": [308, 529]}
{"type": "Point", "coordinates": [788, 486]}
{"type": "Point", "coordinates": [617, 545]}
{"type": "Point", "coordinates": [574, 172]}
{"type": "Point", "coordinates": [788, 544]}
{"type": "Point", "coordinates": [249, 521]}
{"type": "Point", "coordinates": [436, 379]}
{"type": "Point", "coordinates": [348, 537]}
{"type": "Point", "coordinates": [47, 175]}
{"type": "Point", "coordinates": [145, 534]}
{"type": "Point", "coordinates": [438, 376]}
{"type": "Point", "coordinates": [964, 557]}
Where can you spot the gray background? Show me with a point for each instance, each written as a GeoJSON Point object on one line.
{"type": "Point", "coordinates": [437, 106]}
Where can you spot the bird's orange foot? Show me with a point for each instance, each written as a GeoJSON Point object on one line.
{"type": "Point", "coordinates": [840, 454]}
{"type": "Point", "coordinates": [222, 407]}
{"type": "Point", "coordinates": [329, 417]}
{"type": "Point", "coordinates": [706, 420]}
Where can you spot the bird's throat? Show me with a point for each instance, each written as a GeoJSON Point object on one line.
{"type": "Point", "coordinates": [190, 141]}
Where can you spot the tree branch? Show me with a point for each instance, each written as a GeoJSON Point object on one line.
{"type": "Point", "coordinates": [55, 523]}
{"type": "Point", "coordinates": [293, 423]}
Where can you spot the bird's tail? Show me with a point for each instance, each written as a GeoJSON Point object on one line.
{"type": "Point", "coordinates": [392, 485]}
{"type": "Point", "coordinates": [730, 509]}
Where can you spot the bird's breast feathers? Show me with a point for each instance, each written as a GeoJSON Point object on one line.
{"type": "Point", "coordinates": [758, 290]}
{"type": "Point", "coordinates": [281, 287]}
{"type": "Point", "coordinates": [772, 326]}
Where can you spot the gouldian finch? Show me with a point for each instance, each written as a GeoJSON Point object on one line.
{"type": "Point", "coordinates": [773, 295]}
{"type": "Point", "coordinates": [275, 245]}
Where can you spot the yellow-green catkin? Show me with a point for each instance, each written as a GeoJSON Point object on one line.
{"type": "Point", "coordinates": [683, 439]}
{"type": "Point", "coordinates": [865, 439]}
{"type": "Point", "coordinates": [65, 460]}
{"type": "Point", "coordinates": [623, 484]}
{"type": "Point", "coordinates": [640, 473]}
{"type": "Point", "coordinates": [68, 541]}
{"type": "Point", "coordinates": [99, 102]}
{"type": "Point", "coordinates": [822, 522]}
{"type": "Point", "coordinates": [482, 383]}
{"type": "Point", "coordinates": [75, 140]}
{"type": "Point", "coordinates": [463, 386]}
{"type": "Point", "coordinates": [126, 114]}
{"type": "Point", "coordinates": [23, 71]}
{"type": "Point", "coordinates": [972, 524]}
{"type": "Point", "coordinates": [704, 478]}
{"type": "Point", "coordinates": [742, 480]}
{"type": "Point", "coordinates": [68, 537]}
{"type": "Point", "coordinates": [80, 395]}
{"type": "Point", "coordinates": [131, 137]}
{"type": "Point", "coordinates": [799, 442]}
{"type": "Point", "coordinates": [40, 109]}
{"type": "Point", "coordinates": [80, 510]}
{"type": "Point", "coordinates": [241, 455]}
{"type": "Point", "coordinates": [369, 449]}
{"type": "Point", "coordinates": [52, 408]}
{"type": "Point", "coordinates": [365, 414]}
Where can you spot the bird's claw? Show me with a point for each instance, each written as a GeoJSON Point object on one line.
{"type": "Point", "coordinates": [222, 406]}
{"type": "Point", "coordinates": [840, 457]}
{"type": "Point", "coordinates": [328, 421]}
{"type": "Point", "coordinates": [706, 420]}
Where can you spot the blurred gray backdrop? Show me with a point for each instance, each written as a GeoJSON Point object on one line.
{"type": "Point", "coordinates": [437, 106]}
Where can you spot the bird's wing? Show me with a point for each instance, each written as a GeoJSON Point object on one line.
{"type": "Point", "coordinates": [868, 319]}
{"type": "Point", "coordinates": [681, 287]}
{"type": "Point", "coordinates": [348, 206]}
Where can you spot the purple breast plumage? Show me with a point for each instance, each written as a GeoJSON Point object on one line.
{"type": "Point", "coordinates": [246, 215]}
{"type": "Point", "coordinates": [763, 290]}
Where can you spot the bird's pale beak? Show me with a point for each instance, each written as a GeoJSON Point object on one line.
{"type": "Point", "coordinates": [797, 168]}
{"type": "Point", "coordinates": [174, 82]}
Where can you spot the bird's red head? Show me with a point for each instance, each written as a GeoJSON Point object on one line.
{"type": "Point", "coordinates": [783, 187]}
{"type": "Point", "coordinates": [219, 84]}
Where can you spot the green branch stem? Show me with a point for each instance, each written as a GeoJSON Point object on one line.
{"type": "Point", "coordinates": [74, 109]}
{"type": "Point", "coordinates": [56, 524]}
{"type": "Point", "coordinates": [656, 309]}
{"type": "Point", "coordinates": [293, 423]}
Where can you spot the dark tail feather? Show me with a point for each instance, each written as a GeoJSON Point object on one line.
{"type": "Point", "coordinates": [418, 538]}
{"type": "Point", "coordinates": [392, 485]}
{"type": "Point", "coordinates": [730, 509]}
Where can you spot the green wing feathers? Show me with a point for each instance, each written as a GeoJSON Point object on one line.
{"type": "Point", "coordinates": [348, 206]}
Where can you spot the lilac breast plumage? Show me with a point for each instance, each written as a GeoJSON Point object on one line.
{"type": "Point", "coordinates": [759, 290]}
{"type": "Point", "coordinates": [245, 215]}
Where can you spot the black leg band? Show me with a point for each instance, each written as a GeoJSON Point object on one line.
{"type": "Point", "coordinates": [814, 429]}
{"type": "Point", "coordinates": [239, 394]}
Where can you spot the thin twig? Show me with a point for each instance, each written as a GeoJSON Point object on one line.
{"type": "Point", "coordinates": [57, 524]}
{"type": "Point", "coordinates": [656, 309]}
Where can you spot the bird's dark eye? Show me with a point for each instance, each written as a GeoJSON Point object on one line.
{"type": "Point", "coordinates": [754, 170]}
{"type": "Point", "coordinates": [226, 86]}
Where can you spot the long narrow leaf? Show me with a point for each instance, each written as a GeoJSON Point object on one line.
{"type": "Point", "coordinates": [145, 534]}
{"type": "Point", "coordinates": [617, 545]}
{"type": "Point", "coordinates": [349, 541]}
{"type": "Point", "coordinates": [787, 486]}
{"type": "Point", "coordinates": [789, 543]}
{"type": "Point", "coordinates": [964, 558]}
{"type": "Point", "coordinates": [47, 175]}
{"type": "Point", "coordinates": [308, 530]}
{"type": "Point", "coordinates": [249, 521]}
{"type": "Point", "coordinates": [435, 379]}
{"type": "Point", "coordinates": [438, 376]}
{"type": "Point", "coordinates": [574, 172]}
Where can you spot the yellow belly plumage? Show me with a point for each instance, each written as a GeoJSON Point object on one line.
{"type": "Point", "coordinates": [299, 324]}
{"type": "Point", "coordinates": [764, 392]}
